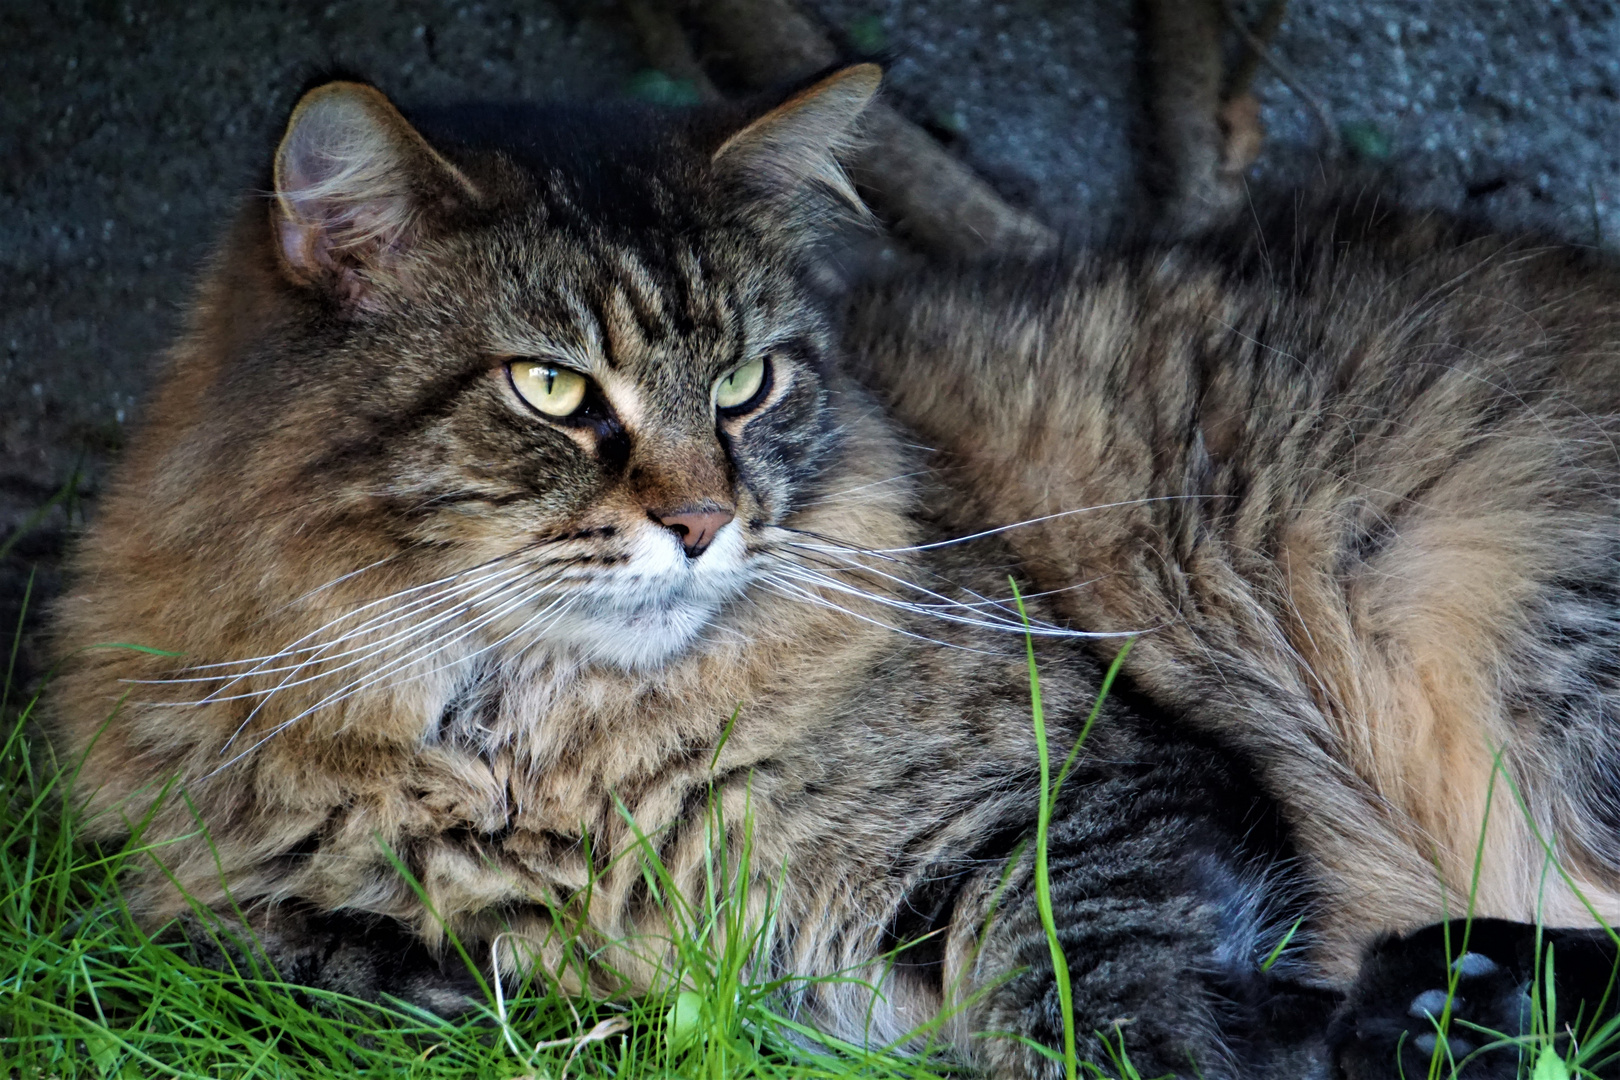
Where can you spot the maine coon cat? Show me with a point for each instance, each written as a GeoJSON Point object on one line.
{"type": "Point", "coordinates": [514, 500]}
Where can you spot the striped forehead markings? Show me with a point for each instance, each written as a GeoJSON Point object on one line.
{"type": "Point", "coordinates": [638, 284]}
{"type": "Point", "coordinates": [622, 331]}
{"type": "Point", "coordinates": [590, 326]}
{"type": "Point", "coordinates": [627, 304]}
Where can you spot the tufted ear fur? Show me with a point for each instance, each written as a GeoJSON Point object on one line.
{"type": "Point", "coordinates": [354, 187]}
{"type": "Point", "coordinates": [794, 146]}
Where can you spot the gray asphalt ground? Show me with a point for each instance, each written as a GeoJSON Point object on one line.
{"type": "Point", "coordinates": [127, 133]}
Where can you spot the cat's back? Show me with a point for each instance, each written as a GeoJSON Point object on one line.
{"type": "Point", "coordinates": [1354, 472]}
{"type": "Point", "coordinates": [1335, 355]}
{"type": "Point", "coordinates": [1328, 294]}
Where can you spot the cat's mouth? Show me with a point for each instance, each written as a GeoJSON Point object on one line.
{"type": "Point", "coordinates": [657, 603]}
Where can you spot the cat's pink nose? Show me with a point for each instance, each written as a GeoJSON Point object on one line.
{"type": "Point", "coordinates": [696, 526]}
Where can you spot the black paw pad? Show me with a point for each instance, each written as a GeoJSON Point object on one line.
{"type": "Point", "coordinates": [1462, 992]}
{"type": "Point", "coordinates": [1473, 965]}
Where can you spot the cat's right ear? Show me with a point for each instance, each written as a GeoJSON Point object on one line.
{"type": "Point", "coordinates": [355, 188]}
{"type": "Point", "coordinates": [794, 147]}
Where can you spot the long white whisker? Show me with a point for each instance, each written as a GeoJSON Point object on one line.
{"type": "Point", "coordinates": [443, 643]}
{"type": "Point", "coordinates": [798, 592]}
{"type": "Point", "coordinates": [375, 623]}
{"type": "Point", "coordinates": [526, 592]}
{"type": "Point", "coordinates": [453, 580]}
{"type": "Point", "coordinates": [287, 682]}
{"type": "Point", "coordinates": [294, 648]}
{"type": "Point", "coordinates": [436, 645]}
{"type": "Point", "coordinates": [982, 601]}
{"type": "Point", "coordinates": [845, 562]}
{"type": "Point", "coordinates": [364, 651]}
{"type": "Point", "coordinates": [1037, 521]}
{"type": "Point", "coordinates": [872, 484]}
{"type": "Point", "coordinates": [977, 618]}
{"type": "Point", "coordinates": [358, 686]}
{"type": "Point", "coordinates": [566, 602]}
{"type": "Point", "coordinates": [942, 600]}
{"type": "Point", "coordinates": [812, 577]}
{"type": "Point", "coordinates": [340, 579]}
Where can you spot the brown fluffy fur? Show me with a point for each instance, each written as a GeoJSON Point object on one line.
{"type": "Point", "coordinates": [1354, 477]}
{"type": "Point", "coordinates": [1355, 493]}
{"type": "Point", "coordinates": [250, 514]}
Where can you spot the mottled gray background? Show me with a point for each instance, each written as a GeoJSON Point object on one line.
{"type": "Point", "coordinates": [127, 131]}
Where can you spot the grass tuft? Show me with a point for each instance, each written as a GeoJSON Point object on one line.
{"type": "Point", "coordinates": [85, 992]}
{"type": "Point", "coordinates": [1050, 787]}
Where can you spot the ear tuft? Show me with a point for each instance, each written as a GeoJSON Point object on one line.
{"type": "Point", "coordinates": [796, 144]}
{"type": "Point", "coordinates": [353, 181]}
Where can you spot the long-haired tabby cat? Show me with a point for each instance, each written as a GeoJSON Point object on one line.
{"type": "Point", "coordinates": [512, 497]}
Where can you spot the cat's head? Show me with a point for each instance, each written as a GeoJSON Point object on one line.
{"type": "Point", "coordinates": [571, 357]}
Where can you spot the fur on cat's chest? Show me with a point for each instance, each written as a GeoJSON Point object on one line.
{"type": "Point", "coordinates": [526, 775]}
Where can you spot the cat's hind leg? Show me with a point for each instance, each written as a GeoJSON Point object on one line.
{"type": "Point", "coordinates": [1182, 945]}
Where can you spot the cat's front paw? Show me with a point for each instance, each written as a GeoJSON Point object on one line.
{"type": "Point", "coordinates": [1436, 993]}
{"type": "Point", "coordinates": [360, 957]}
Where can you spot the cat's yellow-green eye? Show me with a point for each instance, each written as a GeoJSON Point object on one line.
{"type": "Point", "coordinates": [555, 391]}
{"type": "Point", "coordinates": [741, 385]}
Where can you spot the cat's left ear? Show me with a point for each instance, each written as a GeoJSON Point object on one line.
{"type": "Point", "coordinates": [355, 187]}
{"type": "Point", "coordinates": [794, 147]}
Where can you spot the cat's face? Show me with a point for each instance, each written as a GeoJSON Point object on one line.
{"type": "Point", "coordinates": [585, 410]}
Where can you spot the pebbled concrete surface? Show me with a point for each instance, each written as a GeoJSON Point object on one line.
{"type": "Point", "coordinates": [127, 131]}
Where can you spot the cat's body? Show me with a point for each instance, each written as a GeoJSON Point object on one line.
{"type": "Point", "coordinates": [495, 484]}
{"type": "Point", "coordinates": [1358, 472]}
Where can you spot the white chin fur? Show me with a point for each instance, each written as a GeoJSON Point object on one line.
{"type": "Point", "coordinates": [658, 605]}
